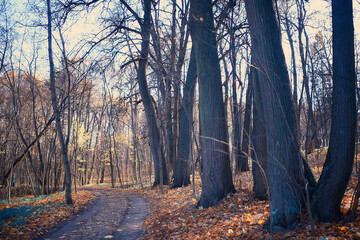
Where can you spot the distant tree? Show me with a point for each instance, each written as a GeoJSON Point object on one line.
{"type": "Point", "coordinates": [216, 173]}
{"type": "Point", "coordinates": [5, 32]}
{"type": "Point", "coordinates": [320, 55]}
{"type": "Point", "coordinates": [243, 164]}
{"type": "Point", "coordinates": [312, 140]}
{"type": "Point", "coordinates": [340, 157]}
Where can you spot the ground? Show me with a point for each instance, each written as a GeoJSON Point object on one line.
{"type": "Point", "coordinates": [26, 217]}
{"type": "Point", "coordinates": [114, 214]}
{"type": "Point", "coordinates": [173, 215]}
{"type": "Point", "coordinates": [119, 214]}
{"type": "Point", "coordinates": [98, 213]}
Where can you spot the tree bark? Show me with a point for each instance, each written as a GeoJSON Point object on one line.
{"type": "Point", "coordinates": [258, 137]}
{"type": "Point", "coordinates": [340, 157]}
{"type": "Point", "coordinates": [283, 155]}
{"type": "Point", "coordinates": [216, 173]}
{"type": "Point", "coordinates": [182, 169]}
{"type": "Point", "coordinates": [243, 165]}
{"type": "Point", "coordinates": [153, 128]}
{"type": "Point", "coordinates": [236, 105]}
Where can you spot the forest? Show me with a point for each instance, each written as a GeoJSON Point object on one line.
{"type": "Point", "coordinates": [216, 119]}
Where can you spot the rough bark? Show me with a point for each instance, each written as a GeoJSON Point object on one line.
{"type": "Point", "coordinates": [283, 155]}
{"type": "Point", "coordinates": [216, 173]}
{"type": "Point", "coordinates": [182, 169]}
{"type": "Point", "coordinates": [340, 157]}
{"type": "Point", "coordinates": [258, 140]}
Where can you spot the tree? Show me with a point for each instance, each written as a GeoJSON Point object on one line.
{"type": "Point", "coordinates": [313, 141]}
{"type": "Point", "coordinates": [258, 140]}
{"type": "Point", "coordinates": [216, 173]}
{"type": "Point", "coordinates": [182, 168]}
{"type": "Point", "coordinates": [340, 157]}
{"type": "Point", "coordinates": [161, 176]}
{"type": "Point", "coordinates": [4, 30]}
{"type": "Point", "coordinates": [283, 155]}
{"type": "Point", "coordinates": [64, 150]}
{"type": "Point", "coordinates": [243, 165]}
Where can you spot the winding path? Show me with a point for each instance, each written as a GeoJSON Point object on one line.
{"type": "Point", "coordinates": [113, 215]}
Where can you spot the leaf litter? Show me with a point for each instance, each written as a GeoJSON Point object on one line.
{"type": "Point", "coordinates": [238, 216]}
{"type": "Point", "coordinates": [173, 214]}
{"type": "Point", "coordinates": [28, 217]}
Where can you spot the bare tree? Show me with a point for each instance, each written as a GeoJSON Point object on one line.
{"type": "Point", "coordinates": [283, 154]}
{"type": "Point", "coordinates": [216, 173]}
{"type": "Point", "coordinates": [340, 157]}
{"type": "Point", "coordinates": [182, 169]}
{"type": "Point", "coordinates": [64, 150]}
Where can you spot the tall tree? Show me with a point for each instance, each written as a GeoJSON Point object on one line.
{"type": "Point", "coordinates": [340, 157]}
{"type": "Point", "coordinates": [243, 165]}
{"type": "Point", "coordinates": [64, 149]}
{"type": "Point", "coordinates": [153, 128]}
{"type": "Point", "coordinates": [236, 106]}
{"type": "Point", "coordinates": [258, 141]}
{"type": "Point", "coordinates": [283, 155]}
{"type": "Point", "coordinates": [182, 168]}
{"type": "Point", "coordinates": [216, 173]}
{"type": "Point", "coordinates": [312, 140]}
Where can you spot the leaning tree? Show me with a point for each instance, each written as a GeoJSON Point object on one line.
{"type": "Point", "coordinates": [340, 157]}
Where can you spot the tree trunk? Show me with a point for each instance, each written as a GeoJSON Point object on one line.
{"type": "Point", "coordinates": [283, 155]}
{"type": "Point", "coordinates": [117, 160]}
{"type": "Point", "coordinates": [312, 140]}
{"type": "Point", "coordinates": [340, 157]}
{"type": "Point", "coordinates": [244, 153]}
{"type": "Point", "coordinates": [236, 105]}
{"type": "Point", "coordinates": [64, 150]}
{"type": "Point", "coordinates": [112, 175]}
{"type": "Point", "coordinates": [153, 128]}
{"type": "Point", "coordinates": [216, 173]}
{"type": "Point", "coordinates": [36, 127]}
{"type": "Point", "coordinates": [258, 137]}
{"type": "Point", "coordinates": [182, 169]}
{"type": "Point", "coordinates": [102, 177]}
{"type": "Point", "coordinates": [134, 120]}
{"type": "Point", "coordinates": [293, 59]}
{"type": "Point", "coordinates": [96, 143]}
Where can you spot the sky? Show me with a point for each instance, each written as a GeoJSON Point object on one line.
{"type": "Point", "coordinates": [87, 24]}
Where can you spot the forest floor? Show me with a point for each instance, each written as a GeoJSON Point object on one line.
{"type": "Point", "coordinates": [239, 216]}
{"type": "Point", "coordinates": [101, 213]}
{"type": "Point", "coordinates": [27, 217]}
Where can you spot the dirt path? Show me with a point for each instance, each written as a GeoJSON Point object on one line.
{"type": "Point", "coordinates": [113, 215]}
